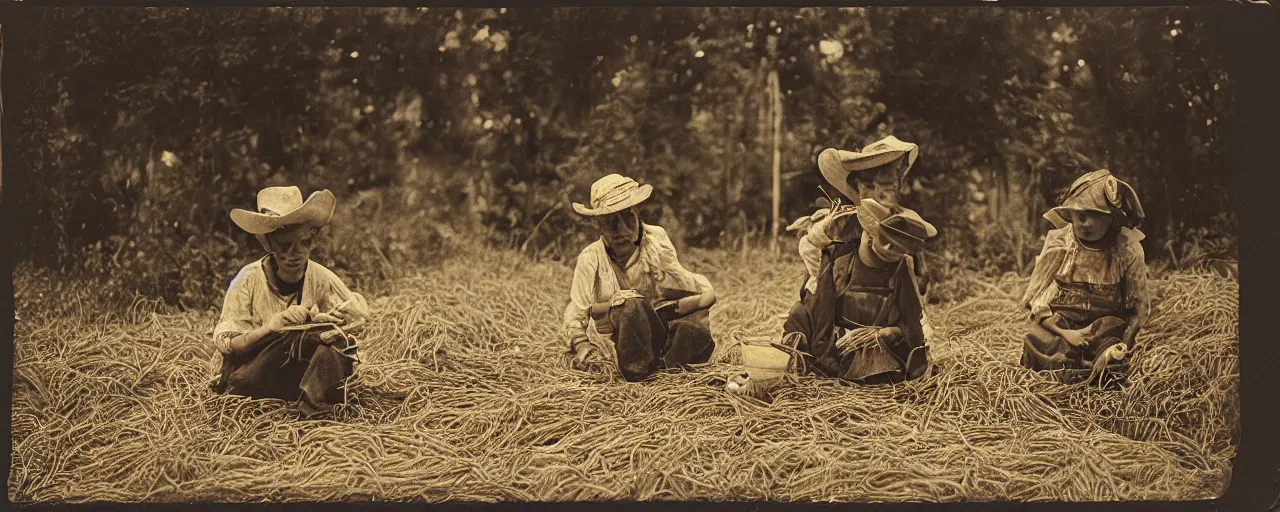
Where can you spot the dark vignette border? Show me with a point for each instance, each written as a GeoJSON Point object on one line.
{"type": "Point", "coordinates": [1249, 33]}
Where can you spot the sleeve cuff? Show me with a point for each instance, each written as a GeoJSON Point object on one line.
{"type": "Point", "coordinates": [222, 341]}
{"type": "Point", "coordinates": [1039, 312]}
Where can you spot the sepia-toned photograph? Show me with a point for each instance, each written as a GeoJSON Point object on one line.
{"type": "Point", "coordinates": [571, 254]}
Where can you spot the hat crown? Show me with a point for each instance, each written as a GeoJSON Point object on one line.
{"type": "Point", "coordinates": [612, 189]}
{"type": "Point", "coordinates": [278, 201]}
{"type": "Point", "coordinates": [889, 143]}
{"type": "Point", "coordinates": [1085, 182]}
{"type": "Point", "coordinates": [1102, 192]}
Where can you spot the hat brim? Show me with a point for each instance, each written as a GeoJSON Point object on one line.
{"type": "Point", "coordinates": [906, 242]}
{"type": "Point", "coordinates": [639, 195]}
{"type": "Point", "coordinates": [316, 211]}
{"type": "Point", "coordinates": [837, 171]}
{"type": "Point", "coordinates": [1057, 217]}
{"type": "Point", "coordinates": [930, 230]}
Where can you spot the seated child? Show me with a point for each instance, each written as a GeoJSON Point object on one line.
{"type": "Point", "coordinates": [876, 172]}
{"type": "Point", "coordinates": [864, 322]}
{"type": "Point", "coordinates": [287, 325]}
{"type": "Point", "coordinates": [631, 302]}
{"type": "Point", "coordinates": [1088, 292]}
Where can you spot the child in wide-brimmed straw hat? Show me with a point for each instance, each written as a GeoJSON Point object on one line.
{"type": "Point", "coordinates": [631, 301]}
{"type": "Point", "coordinates": [287, 325]}
{"type": "Point", "coordinates": [865, 320]}
{"type": "Point", "coordinates": [876, 172]}
{"type": "Point", "coordinates": [1088, 293]}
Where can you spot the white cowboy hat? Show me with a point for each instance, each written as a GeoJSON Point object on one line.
{"type": "Point", "coordinates": [837, 164]}
{"type": "Point", "coordinates": [283, 206]}
{"type": "Point", "coordinates": [613, 193]}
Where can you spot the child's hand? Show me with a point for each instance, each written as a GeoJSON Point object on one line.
{"type": "Point", "coordinates": [1075, 337]}
{"type": "Point", "coordinates": [581, 349]}
{"type": "Point", "coordinates": [890, 334]}
{"type": "Point", "coordinates": [353, 305]}
{"type": "Point", "coordinates": [320, 317]}
{"type": "Point", "coordinates": [343, 311]}
{"type": "Point", "coordinates": [294, 315]}
{"type": "Point", "coordinates": [346, 312]}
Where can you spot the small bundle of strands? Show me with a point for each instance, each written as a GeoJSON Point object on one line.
{"type": "Point", "coordinates": [467, 394]}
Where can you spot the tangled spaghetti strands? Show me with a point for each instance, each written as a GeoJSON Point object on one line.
{"type": "Point", "coordinates": [466, 394]}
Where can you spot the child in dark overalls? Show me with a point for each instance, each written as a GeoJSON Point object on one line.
{"type": "Point", "coordinates": [1088, 292]}
{"type": "Point", "coordinates": [864, 321]}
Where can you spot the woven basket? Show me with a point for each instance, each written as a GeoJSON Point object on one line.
{"type": "Point", "coordinates": [766, 365]}
{"type": "Point", "coordinates": [765, 361]}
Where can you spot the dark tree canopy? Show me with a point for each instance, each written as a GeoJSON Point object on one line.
{"type": "Point", "coordinates": [135, 130]}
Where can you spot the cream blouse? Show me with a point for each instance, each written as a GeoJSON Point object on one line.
{"type": "Point", "coordinates": [652, 268]}
{"type": "Point", "coordinates": [1063, 257]}
{"type": "Point", "coordinates": [250, 301]}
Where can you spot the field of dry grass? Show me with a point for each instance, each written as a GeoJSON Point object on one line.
{"type": "Point", "coordinates": [466, 394]}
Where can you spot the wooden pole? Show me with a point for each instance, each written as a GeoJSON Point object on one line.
{"type": "Point", "coordinates": [775, 95]}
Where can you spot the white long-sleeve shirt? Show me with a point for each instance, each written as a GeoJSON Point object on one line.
{"type": "Point", "coordinates": [250, 301]}
{"type": "Point", "coordinates": [652, 269]}
{"type": "Point", "coordinates": [818, 237]}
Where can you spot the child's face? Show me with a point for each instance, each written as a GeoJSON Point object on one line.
{"type": "Point", "coordinates": [1090, 226]}
{"type": "Point", "coordinates": [292, 248]}
{"type": "Point", "coordinates": [880, 183]}
{"type": "Point", "coordinates": [618, 229]}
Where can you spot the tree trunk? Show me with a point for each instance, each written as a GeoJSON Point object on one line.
{"type": "Point", "coordinates": [775, 95]}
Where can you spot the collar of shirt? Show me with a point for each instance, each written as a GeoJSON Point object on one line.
{"type": "Point", "coordinates": [635, 255]}
{"type": "Point", "coordinates": [643, 268]}
{"type": "Point", "coordinates": [289, 292]}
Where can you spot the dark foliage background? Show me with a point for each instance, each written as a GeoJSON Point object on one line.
{"type": "Point", "coordinates": [134, 131]}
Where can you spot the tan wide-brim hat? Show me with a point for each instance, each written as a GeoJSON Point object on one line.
{"type": "Point", "coordinates": [613, 193]}
{"type": "Point", "coordinates": [837, 164]}
{"type": "Point", "coordinates": [1099, 191]}
{"type": "Point", "coordinates": [283, 206]}
{"type": "Point", "coordinates": [904, 229]}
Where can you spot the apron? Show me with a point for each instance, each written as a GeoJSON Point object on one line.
{"type": "Point", "coordinates": [863, 300]}
{"type": "Point", "coordinates": [1097, 308]}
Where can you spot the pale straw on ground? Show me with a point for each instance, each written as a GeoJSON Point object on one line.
{"type": "Point", "coordinates": [466, 394]}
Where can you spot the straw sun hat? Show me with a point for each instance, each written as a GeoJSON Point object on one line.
{"type": "Point", "coordinates": [1099, 191]}
{"type": "Point", "coordinates": [837, 164]}
{"type": "Point", "coordinates": [613, 193]}
{"type": "Point", "coordinates": [283, 206]}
